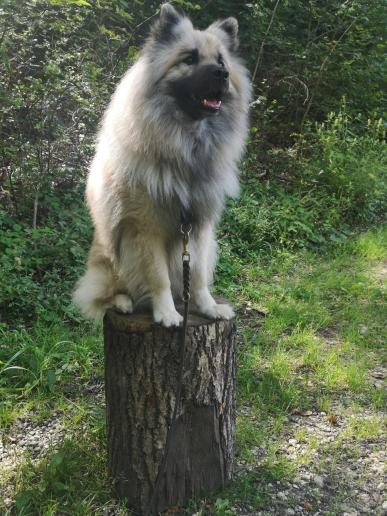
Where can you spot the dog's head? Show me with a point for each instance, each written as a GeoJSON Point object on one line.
{"type": "Point", "coordinates": [191, 66]}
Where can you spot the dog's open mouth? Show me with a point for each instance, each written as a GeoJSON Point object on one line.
{"type": "Point", "coordinates": [212, 102]}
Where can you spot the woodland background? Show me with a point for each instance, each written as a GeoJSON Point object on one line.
{"type": "Point", "coordinates": [313, 188]}
{"type": "Point", "coordinates": [314, 165]}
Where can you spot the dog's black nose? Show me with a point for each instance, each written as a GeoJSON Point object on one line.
{"type": "Point", "coordinates": [220, 72]}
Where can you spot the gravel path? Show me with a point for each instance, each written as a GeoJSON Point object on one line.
{"type": "Point", "coordinates": [27, 440]}
{"type": "Point", "coordinates": [30, 441]}
{"type": "Point", "coordinates": [340, 476]}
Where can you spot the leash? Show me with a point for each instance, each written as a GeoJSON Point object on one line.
{"type": "Point", "coordinates": [185, 229]}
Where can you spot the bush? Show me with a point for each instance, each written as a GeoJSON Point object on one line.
{"type": "Point", "coordinates": [335, 183]}
{"type": "Point", "coordinates": [349, 161]}
{"type": "Point", "coordinates": [39, 266]}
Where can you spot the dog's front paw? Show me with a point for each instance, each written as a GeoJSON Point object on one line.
{"type": "Point", "coordinates": [167, 318]}
{"type": "Point", "coordinates": [216, 311]}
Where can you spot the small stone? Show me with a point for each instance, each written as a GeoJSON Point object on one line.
{"type": "Point", "coordinates": [292, 441]}
{"type": "Point", "coordinates": [319, 481]}
{"type": "Point", "coordinates": [281, 495]}
{"type": "Point", "coordinates": [378, 384]}
{"type": "Point", "coordinates": [384, 506]}
{"type": "Point", "coordinates": [290, 511]}
{"type": "Point", "coordinates": [363, 329]}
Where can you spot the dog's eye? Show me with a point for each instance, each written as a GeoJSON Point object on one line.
{"type": "Point", "coordinates": [189, 60]}
{"type": "Point", "coordinates": [192, 58]}
{"type": "Point", "coordinates": [220, 60]}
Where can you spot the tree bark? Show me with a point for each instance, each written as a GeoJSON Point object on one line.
{"type": "Point", "coordinates": [141, 374]}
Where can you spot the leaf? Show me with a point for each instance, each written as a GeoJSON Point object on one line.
{"type": "Point", "coordinates": [23, 500]}
{"type": "Point", "coordinates": [60, 486]}
{"type": "Point", "coordinates": [57, 459]}
{"type": "Point", "coordinates": [75, 2]}
{"type": "Point", "coordinates": [51, 378]}
{"type": "Point", "coordinates": [332, 419]}
{"type": "Point", "coordinates": [12, 368]}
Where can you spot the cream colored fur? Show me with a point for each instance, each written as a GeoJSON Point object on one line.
{"type": "Point", "coordinates": [146, 165]}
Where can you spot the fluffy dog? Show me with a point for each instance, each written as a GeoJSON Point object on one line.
{"type": "Point", "coordinates": [170, 142]}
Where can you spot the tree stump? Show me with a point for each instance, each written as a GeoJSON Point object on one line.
{"type": "Point", "coordinates": [141, 375]}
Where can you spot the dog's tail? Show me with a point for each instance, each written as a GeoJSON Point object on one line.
{"type": "Point", "coordinates": [96, 291]}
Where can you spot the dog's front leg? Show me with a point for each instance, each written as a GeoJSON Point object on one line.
{"type": "Point", "coordinates": [202, 270]}
{"type": "Point", "coordinates": [157, 277]}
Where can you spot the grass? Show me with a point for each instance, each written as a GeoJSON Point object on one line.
{"type": "Point", "coordinates": [323, 333]}
{"type": "Point", "coordinates": [72, 479]}
{"type": "Point", "coordinates": [36, 364]}
{"type": "Point", "coordinates": [325, 329]}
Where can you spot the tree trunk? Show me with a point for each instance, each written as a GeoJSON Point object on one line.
{"type": "Point", "coordinates": [141, 373]}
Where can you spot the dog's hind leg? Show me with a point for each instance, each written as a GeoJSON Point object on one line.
{"type": "Point", "coordinates": [97, 291]}
{"type": "Point", "coordinates": [94, 290]}
{"type": "Point", "coordinates": [100, 287]}
{"type": "Point", "coordinates": [123, 303]}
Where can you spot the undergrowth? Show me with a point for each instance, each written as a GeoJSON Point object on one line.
{"type": "Point", "coordinates": [297, 252]}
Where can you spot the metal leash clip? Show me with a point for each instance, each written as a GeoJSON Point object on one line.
{"type": "Point", "coordinates": [185, 230]}
{"type": "Point", "coordinates": [186, 257]}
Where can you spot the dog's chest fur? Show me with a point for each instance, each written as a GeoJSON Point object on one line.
{"type": "Point", "coordinates": [197, 187]}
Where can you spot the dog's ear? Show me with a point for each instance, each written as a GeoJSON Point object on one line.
{"type": "Point", "coordinates": [227, 30]}
{"type": "Point", "coordinates": [169, 18]}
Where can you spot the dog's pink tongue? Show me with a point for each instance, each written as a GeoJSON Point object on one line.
{"type": "Point", "coordinates": [214, 104]}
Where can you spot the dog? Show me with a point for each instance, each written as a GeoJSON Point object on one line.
{"type": "Point", "coordinates": [169, 143]}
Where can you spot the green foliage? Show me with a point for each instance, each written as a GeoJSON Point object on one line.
{"type": "Point", "coordinates": [39, 265]}
{"type": "Point", "coordinates": [324, 330]}
{"type": "Point", "coordinates": [39, 361]}
{"type": "Point", "coordinates": [336, 181]}
{"type": "Point", "coordinates": [351, 163]}
{"type": "Point", "coordinates": [58, 64]}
